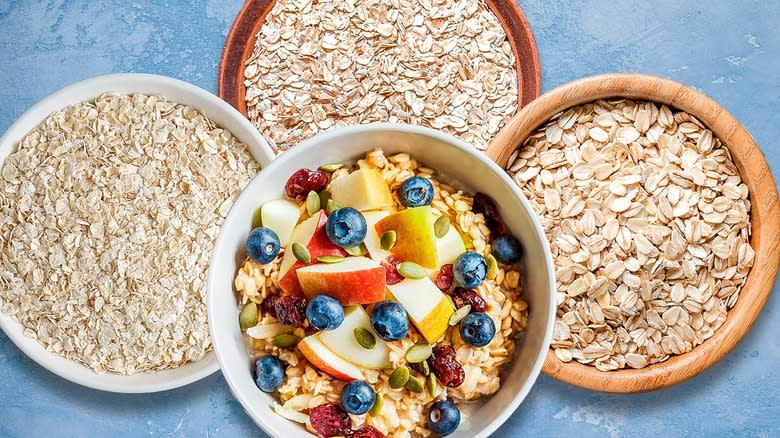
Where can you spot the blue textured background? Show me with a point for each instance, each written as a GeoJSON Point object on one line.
{"type": "Point", "coordinates": [728, 49]}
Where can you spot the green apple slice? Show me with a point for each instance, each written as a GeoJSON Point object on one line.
{"type": "Point", "coordinates": [341, 341]}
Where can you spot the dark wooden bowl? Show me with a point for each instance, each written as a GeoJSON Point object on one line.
{"type": "Point", "coordinates": [241, 40]}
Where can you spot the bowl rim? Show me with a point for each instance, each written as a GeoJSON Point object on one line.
{"type": "Point", "coordinates": [765, 219]}
{"type": "Point", "coordinates": [308, 146]}
{"type": "Point", "coordinates": [89, 89]}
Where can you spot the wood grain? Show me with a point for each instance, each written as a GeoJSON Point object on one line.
{"type": "Point", "coordinates": [243, 34]}
{"type": "Point", "coordinates": [765, 219]}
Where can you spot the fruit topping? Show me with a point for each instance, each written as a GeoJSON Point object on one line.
{"type": "Point", "coordinates": [367, 431]}
{"type": "Point", "coordinates": [443, 417]}
{"type": "Point", "coordinates": [355, 280]}
{"type": "Point", "coordinates": [363, 189]}
{"type": "Point", "coordinates": [484, 204]}
{"type": "Point", "coordinates": [280, 215]}
{"type": "Point", "coordinates": [269, 373]}
{"type": "Point", "coordinates": [446, 367]}
{"type": "Point", "coordinates": [477, 329]}
{"type": "Point", "coordinates": [290, 310]}
{"type": "Point", "coordinates": [444, 278]}
{"type": "Point", "coordinates": [390, 321]}
{"type": "Point", "coordinates": [470, 269]}
{"type": "Point", "coordinates": [507, 249]}
{"type": "Point", "coordinates": [324, 312]}
{"type": "Point", "coordinates": [346, 227]}
{"type": "Point", "coordinates": [303, 181]}
{"type": "Point", "coordinates": [262, 245]}
{"type": "Point", "coordinates": [462, 297]}
{"type": "Point", "coordinates": [392, 276]}
{"type": "Point", "coordinates": [330, 420]}
{"type": "Point", "coordinates": [415, 192]}
{"type": "Point", "coordinates": [357, 397]}
{"type": "Point", "coordinates": [353, 347]}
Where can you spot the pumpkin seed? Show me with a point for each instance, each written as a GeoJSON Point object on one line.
{"type": "Point", "coordinates": [430, 385]}
{"type": "Point", "coordinates": [441, 226]}
{"type": "Point", "coordinates": [324, 197]}
{"type": "Point", "coordinates": [424, 368]}
{"type": "Point", "coordinates": [388, 240]}
{"type": "Point", "coordinates": [414, 385]}
{"type": "Point", "coordinates": [365, 338]}
{"type": "Point", "coordinates": [492, 267]}
{"type": "Point", "coordinates": [379, 403]}
{"type": "Point", "coordinates": [460, 314]}
{"type": "Point", "coordinates": [330, 259]}
{"type": "Point", "coordinates": [248, 316]}
{"type": "Point", "coordinates": [411, 270]}
{"type": "Point", "coordinates": [332, 206]}
{"type": "Point", "coordinates": [399, 377]}
{"type": "Point", "coordinates": [330, 168]}
{"type": "Point", "coordinates": [357, 250]}
{"type": "Point", "coordinates": [418, 353]}
{"type": "Point", "coordinates": [312, 203]}
{"type": "Point", "coordinates": [285, 340]}
{"type": "Point", "coordinates": [301, 253]}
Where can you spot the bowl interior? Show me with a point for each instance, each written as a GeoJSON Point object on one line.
{"type": "Point", "coordinates": [441, 152]}
{"type": "Point", "coordinates": [176, 91]}
{"type": "Point", "coordinates": [765, 218]}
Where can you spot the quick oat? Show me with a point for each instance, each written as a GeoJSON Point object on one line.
{"type": "Point", "coordinates": [109, 210]}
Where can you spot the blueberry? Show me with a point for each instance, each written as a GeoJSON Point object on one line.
{"type": "Point", "coordinates": [324, 312]}
{"type": "Point", "coordinates": [357, 397]}
{"type": "Point", "coordinates": [390, 321]}
{"type": "Point", "coordinates": [470, 269]}
{"type": "Point", "coordinates": [346, 227]}
{"type": "Point", "coordinates": [477, 329]}
{"type": "Point", "coordinates": [262, 245]}
{"type": "Point", "coordinates": [415, 192]}
{"type": "Point", "coordinates": [507, 249]}
{"type": "Point", "coordinates": [443, 417]}
{"type": "Point", "coordinates": [269, 373]}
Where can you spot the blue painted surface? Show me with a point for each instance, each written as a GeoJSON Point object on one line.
{"type": "Point", "coordinates": [730, 50]}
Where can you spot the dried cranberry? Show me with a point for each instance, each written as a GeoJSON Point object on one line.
{"type": "Point", "coordinates": [446, 368]}
{"type": "Point", "coordinates": [444, 278]}
{"type": "Point", "coordinates": [367, 432]}
{"type": "Point", "coordinates": [484, 204]}
{"type": "Point", "coordinates": [462, 296]}
{"type": "Point", "coordinates": [391, 272]}
{"type": "Point", "coordinates": [303, 181]}
{"type": "Point", "coordinates": [330, 420]}
{"type": "Point", "coordinates": [290, 310]}
{"type": "Point", "coordinates": [268, 305]}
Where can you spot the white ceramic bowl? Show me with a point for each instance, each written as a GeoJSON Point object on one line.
{"type": "Point", "coordinates": [446, 154]}
{"type": "Point", "coordinates": [176, 91]}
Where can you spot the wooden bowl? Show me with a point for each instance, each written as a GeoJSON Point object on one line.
{"type": "Point", "coordinates": [765, 219]}
{"type": "Point", "coordinates": [241, 41]}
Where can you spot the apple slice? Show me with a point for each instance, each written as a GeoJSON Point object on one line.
{"type": "Point", "coordinates": [449, 247]}
{"type": "Point", "coordinates": [327, 361]}
{"type": "Point", "coordinates": [280, 215]}
{"type": "Point", "coordinates": [342, 341]}
{"type": "Point", "coordinates": [415, 238]}
{"type": "Point", "coordinates": [310, 233]}
{"type": "Point", "coordinates": [363, 189]}
{"type": "Point", "coordinates": [428, 308]}
{"type": "Point", "coordinates": [372, 237]}
{"type": "Point", "coordinates": [356, 280]}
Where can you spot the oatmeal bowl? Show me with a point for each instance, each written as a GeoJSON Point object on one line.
{"type": "Point", "coordinates": [664, 224]}
{"type": "Point", "coordinates": [381, 280]}
{"type": "Point", "coordinates": [109, 209]}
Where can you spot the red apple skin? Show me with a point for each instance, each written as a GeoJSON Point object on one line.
{"type": "Point", "coordinates": [323, 366]}
{"type": "Point", "coordinates": [356, 287]}
{"type": "Point", "coordinates": [318, 245]}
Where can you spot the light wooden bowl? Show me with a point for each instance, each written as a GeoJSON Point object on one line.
{"type": "Point", "coordinates": [765, 218]}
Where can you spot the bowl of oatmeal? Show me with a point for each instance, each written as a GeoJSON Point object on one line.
{"type": "Point", "coordinates": [108, 213]}
{"type": "Point", "coordinates": [381, 280]}
{"type": "Point", "coordinates": [662, 215]}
